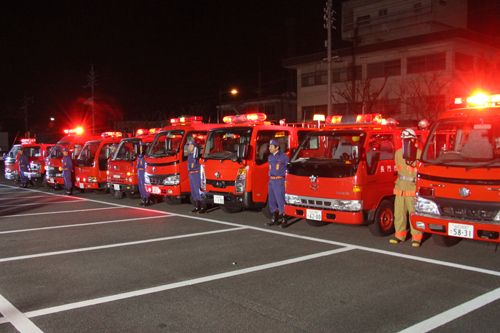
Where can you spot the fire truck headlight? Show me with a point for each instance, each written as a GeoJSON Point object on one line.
{"type": "Point", "coordinates": [349, 205]}
{"type": "Point", "coordinates": [240, 184]}
{"type": "Point", "coordinates": [130, 180]}
{"type": "Point", "coordinates": [147, 180]}
{"type": "Point", "coordinates": [497, 217]}
{"type": "Point", "coordinates": [92, 179]}
{"type": "Point", "coordinates": [202, 178]}
{"type": "Point", "coordinates": [14, 172]}
{"type": "Point", "coordinates": [426, 206]}
{"type": "Point", "coordinates": [292, 199]}
{"type": "Point", "coordinates": [172, 180]}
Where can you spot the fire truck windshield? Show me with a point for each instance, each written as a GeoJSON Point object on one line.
{"type": "Point", "coordinates": [159, 148]}
{"type": "Point", "coordinates": [127, 150]}
{"type": "Point", "coordinates": [223, 143]}
{"type": "Point", "coordinates": [87, 154]}
{"type": "Point", "coordinates": [32, 151]}
{"type": "Point", "coordinates": [56, 152]}
{"type": "Point", "coordinates": [464, 142]}
{"type": "Point", "coordinates": [14, 151]}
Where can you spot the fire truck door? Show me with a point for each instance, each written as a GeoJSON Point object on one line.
{"type": "Point", "coordinates": [380, 169]}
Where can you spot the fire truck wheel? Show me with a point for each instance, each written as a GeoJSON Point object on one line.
{"type": "Point", "coordinates": [115, 194]}
{"type": "Point", "coordinates": [266, 211]}
{"type": "Point", "coordinates": [173, 201]}
{"type": "Point", "coordinates": [445, 241]}
{"type": "Point", "coordinates": [383, 222]}
{"type": "Point", "coordinates": [230, 210]}
{"type": "Point", "coordinates": [314, 223]}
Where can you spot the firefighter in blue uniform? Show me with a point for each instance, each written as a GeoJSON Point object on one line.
{"type": "Point", "coordinates": [67, 169]}
{"type": "Point", "coordinates": [23, 167]}
{"type": "Point", "coordinates": [194, 177]}
{"type": "Point", "coordinates": [278, 161]}
{"type": "Point", "coordinates": [141, 176]}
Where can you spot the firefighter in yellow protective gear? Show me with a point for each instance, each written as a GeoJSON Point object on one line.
{"type": "Point", "coordinates": [405, 189]}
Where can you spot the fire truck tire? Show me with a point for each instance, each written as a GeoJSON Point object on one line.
{"type": "Point", "coordinates": [383, 222]}
{"type": "Point", "coordinates": [174, 201]}
{"type": "Point", "coordinates": [314, 223]}
{"type": "Point", "coordinates": [266, 211]}
{"type": "Point", "coordinates": [115, 194]}
{"type": "Point", "coordinates": [445, 241]}
{"type": "Point", "coordinates": [230, 210]}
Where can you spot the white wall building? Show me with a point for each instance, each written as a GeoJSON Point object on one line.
{"type": "Point", "coordinates": [409, 60]}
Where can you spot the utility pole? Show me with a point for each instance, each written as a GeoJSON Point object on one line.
{"type": "Point", "coordinates": [27, 101]}
{"type": "Point", "coordinates": [328, 16]}
{"type": "Point", "coordinates": [91, 79]}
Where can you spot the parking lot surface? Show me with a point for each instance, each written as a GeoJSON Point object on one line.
{"type": "Point", "coordinates": [91, 263]}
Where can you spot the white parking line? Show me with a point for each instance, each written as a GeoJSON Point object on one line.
{"type": "Point", "coordinates": [16, 317]}
{"type": "Point", "coordinates": [61, 212]}
{"type": "Point", "coordinates": [42, 203]}
{"type": "Point", "coordinates": [93, 248]}
{"type": "Point", "coordinates": [181, 284]}
{"type": "Point", "coordinates": [82, 224]}
{"type": "Point", "coordinates": [454, 313]}
{"type": "Point", "coordinates": [30, 197]}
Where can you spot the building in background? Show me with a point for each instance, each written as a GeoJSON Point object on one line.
{"type": "Point", "coordinates": [408, 61]}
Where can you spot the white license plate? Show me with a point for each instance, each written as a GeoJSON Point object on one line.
{"type": "Point", "coordinates": [219, 199]}
{"type": "Point", "coordinates": [461, 230]}
{"type": "Point", "coordinates": [82, 185]}
{"type": "Point", "coordinates": [52, 181]}
{"type": "Point", "coordinates": [116, 187]}
{"type": "Point", "coordinates": [156, 190]}
{"type": "Point", "coordinates": [313, 214]}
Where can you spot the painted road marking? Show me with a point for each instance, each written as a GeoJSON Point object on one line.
{"type": "Point", "coordinates": [16, 317]}
{"type": "Point", "coordinates": [181, 284]}
{"type": "Point", "coordinates": [61, 212]}
{"type": "Point", "coordinates": [42, 203]}
{"type": "Point", "coordinates": [93, 248]}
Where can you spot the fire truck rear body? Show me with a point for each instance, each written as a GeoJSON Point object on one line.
{"type": "Point", "coordinates": [458, 181]}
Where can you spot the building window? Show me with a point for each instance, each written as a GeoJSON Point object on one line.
{"type": "Point", "coordinates": [365, 19]}
{"type": "Point", "coordinates": [314, 79]}
{"type": "Point", "coordinates": [417, 7]}
{"type": "Point", "coordinates": [358, 73]}
{"type": "Point", "coordinates": [464, 62]}
{"type": "Point", "coordinates": [384, 69]}
{"type": "Point", "coordinates": [382, 12]}
{"type": "Point", "coordinates": [430, 62]}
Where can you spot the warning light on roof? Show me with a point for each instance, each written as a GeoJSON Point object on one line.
{"type": "Point", "coordinates": [111, 134]}
{"type": "Point", "coordinates": [77, 131]}
{"type": "Point", "coordinates": [479, 99]}
{"type": "Point", "coordinates": [141, 131]}
{"type": "Point", "coordinates": [26, 141]}
{"type": "Point", "coordinates": [185, 120]}
{"type": "Point", "coordinates": [369, 118]}
{"type": "Point", "coordinates": [154, 130]}
{"type": "Point", "coordinates": [245, 118]}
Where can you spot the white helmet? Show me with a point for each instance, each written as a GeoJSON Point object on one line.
{"type": "Point", "coordinates": [408, 133]}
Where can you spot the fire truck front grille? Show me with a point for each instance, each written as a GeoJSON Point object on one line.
{"type": "Point", "coordinates": [52, 172]}
{"type": "Point", "coordinates": [156, 179]}
{"type": "Point", "coordinates": [472, 210]}
{"type": "Point", "coordinates": [220, 183]}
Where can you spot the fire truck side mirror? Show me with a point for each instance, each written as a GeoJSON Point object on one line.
{"type": "Point", "coordinates": [168, 144]}
{"type": "Point", "coordinates": [242, 151]}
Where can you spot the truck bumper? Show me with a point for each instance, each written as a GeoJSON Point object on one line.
{"type": "Point", "coordinates": [33, 175]}
{"type": "Point", "coordinates": [243, 200]}
{"type": "Point", "coordinates": [52, 181]}
{"type": "Point", "coordinates": [358, 218]}
{"type": "Point", "coordinates": [123, 187]}
{"type": "Point", "coordinates": [165, 190]}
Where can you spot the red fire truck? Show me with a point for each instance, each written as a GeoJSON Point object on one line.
{"type": "Point", "coordinates": [345, 173]}
{"type": "Point", "coordinates": [234, 168]}
{"type": "Point", "coordinates": [36, 153]}
{"type": "Point", "coordinates": [91, 165]}
{"type": "Point", "coordinates": [458, 180]}
{"type": "Point", "coordinates": [74, 141]}
{"type": "Point", "coordinates": [166, 161]}
{"type": "Point", "coordinates": [122, 174]}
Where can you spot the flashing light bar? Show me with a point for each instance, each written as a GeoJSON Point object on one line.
{"type": "Point", "coordinates": [184, 120]}
{"type": "Point", "coordinates": [245, 118]}
{"type": "Point", "coordinates": [479, 100]}
{"type": "Point", "coordinates": [77, 131]}
{"type": "Point", "coordinates": [26, 141]}
{"type": "Point", "coordinates": [154, 130]}
{"type": "Point", "coordinates": [111, 134]}
{"type": "Point", "coordinates": [141, 131]}
{"type": "Point", "coordinates": [370, 118]}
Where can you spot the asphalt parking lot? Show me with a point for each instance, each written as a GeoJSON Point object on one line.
{"type": "Point", "coordinates": [90, 263]}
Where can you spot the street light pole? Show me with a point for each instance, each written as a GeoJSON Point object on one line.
{"type": "Point", "coordinates": [91, 81]}
{"type": "Point", "coordinates": [233, 92]}
{"type": "Point", "coordinates": [328, 25]}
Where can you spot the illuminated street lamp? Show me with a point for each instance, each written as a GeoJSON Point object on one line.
{"type": "Point", "coordinates": [232, 92]}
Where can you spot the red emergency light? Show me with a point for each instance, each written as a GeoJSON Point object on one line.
{"type": "Point", "coordinates": [77, 131]}
{"type": "Point", "coordinates": [245, 118]}
{"type": "Point", "coordinates": [369, 118]}
{"type": "Point", "coordinates": [29, 140]}
{"type": "Point", "coordinates": [185, 120]}
{"type": "Point", "coordinates": [141, 131]}
{"type": "Point", "coordinates": [111, 134]}
{"type": "Point", "coordinates": [479, 100]}
{"type": "Point", "coordinates": [154, 130]}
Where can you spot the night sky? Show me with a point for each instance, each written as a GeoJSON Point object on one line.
{"type": "Point", "coordinates": [151, 57]}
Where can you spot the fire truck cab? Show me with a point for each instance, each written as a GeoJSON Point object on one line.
{"type": "Point", "coordinates": [234, 165]}
{"type": "Point", "coordinates": [74, 141]}
{"type": "Point", "coordinates": [36, 153]}
{"type": "Point", "coordinates": [458, 184]}
{"type": "Point", "coordinates": [91, 165]}
{"type": "Point", "coordinates": [122, 173]}
{"type": "Point", "coordinates": [345, 173]}
{"type": "Point", "coordinates": [11, 160]}
{"type": "Point", "coordinates": [166, 161]}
